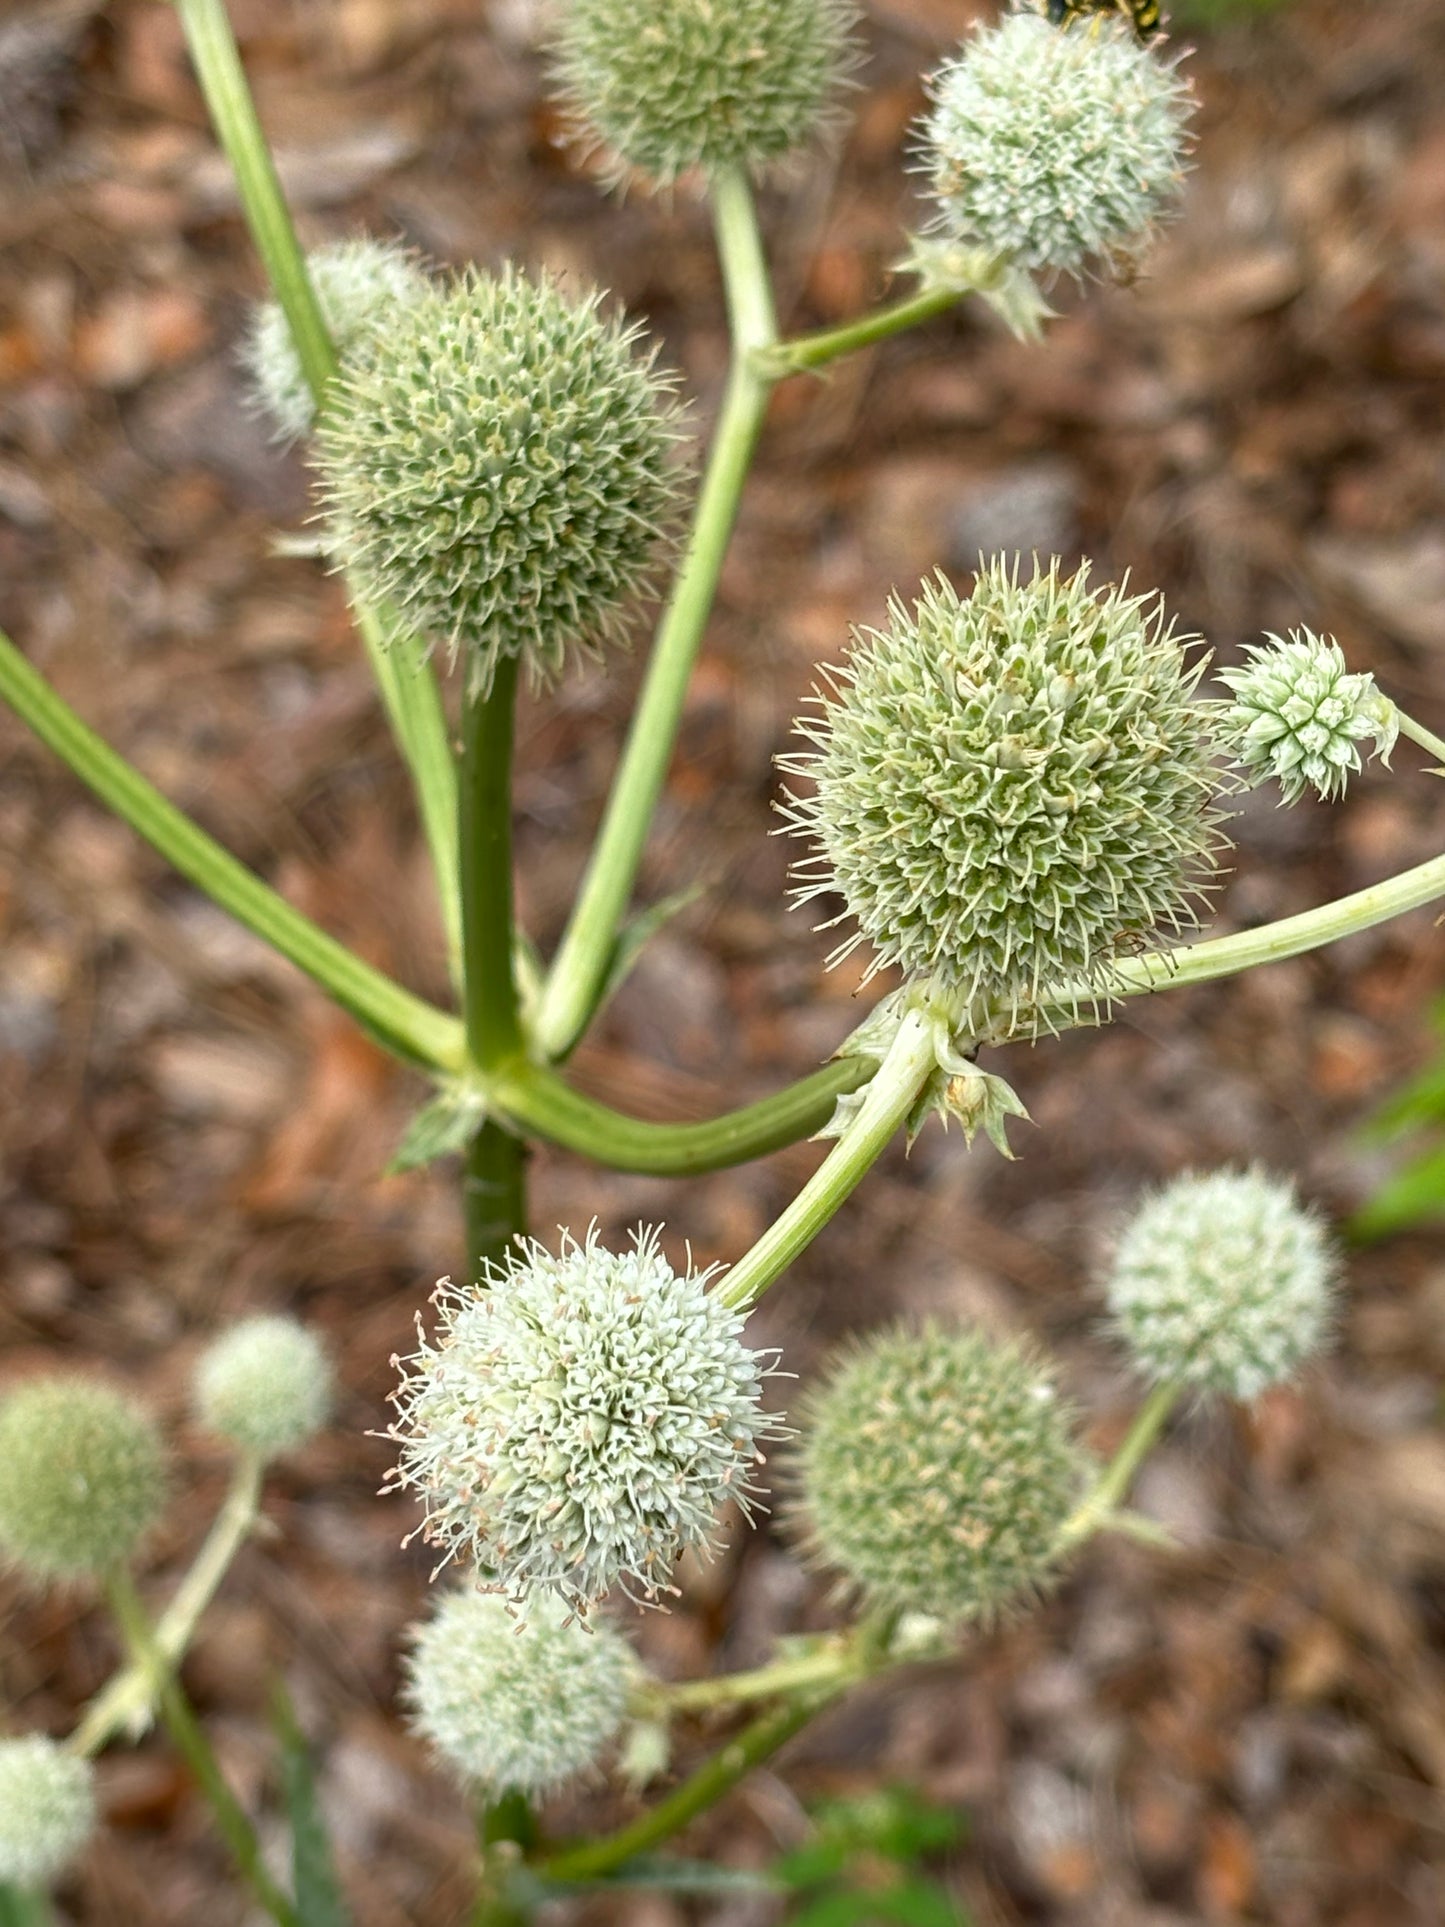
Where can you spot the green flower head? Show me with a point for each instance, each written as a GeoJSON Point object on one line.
{"type": "Point", "coordinates": [266, 1385]}
{"type": "Point", "coordinates": [1299, 716]}
{"type": "Point", "coordinates": [1010, 786]}
{"type": "Point", "coordinates": [580, 1419]}
{"type": "Point", "coordinates": [671, 85]}
{"type": "Point", "coordinates": [500, 466]}
{"type": "Point", "coordinates": [516, 1707]}
{"type": "Point", "coordinates": [47, 1809]}
{"type": "Point", "coordinates": [938, 1469]}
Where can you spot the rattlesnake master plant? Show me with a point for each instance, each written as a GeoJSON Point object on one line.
{"type": "Point", "coordinates": [82, 1477]}
{"type": "Point", "coordinates": [516, 1708]}
{"type": "Point", "coordinates": [937, 1470]}
{"type": "Point", "coordinates": [47, 1811]}
{"type": "Point", "coordinates": [358, 284]}
{"type": "Point", "coordinates": [501, 466]}
{"type": "Point", "coordinates": [579, 1419]}
{"type": "Point", "coordinates": [1223, 1281]}
{"type": "Point", "coordinates": [1055, 149]}
{"type": "Point", "coordinates": [671, 85]}
{"type": "Point", "coordinates": [1010, 785]}
{"type": "Point", "coordinates": [266, 1385]}
{"type": "Point", "coordinates": [1299, 715]}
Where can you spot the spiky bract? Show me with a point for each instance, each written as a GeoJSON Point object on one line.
{"type": "Point", "coordinates": [501, 467]}
{"type": "Point", "coordinates": [266, 1385]}
{"type": "Point", "coordinates": [579, 1419]}
{"type": "Point", "coordinates": [669, 85]}
{"type": "Point", "coordinates": [516, 1707]}
{"type": "Point", "coordinates": [357, 284]}
{"type": "Point", "coordinates": [1299, 715]}
{"type": "Point", "coordinates": [47, 1809]}
{"type": "Point", "coordinates": [938, 1468]}
{"type": "Point", "coordinates": [1055, 149]}
{"type": "Point", "coordinates": [1223, 1281]}
{"type": "Point", "coordinates": [1009, 786]}
{"type": "Point", "coordinates": [82, 1477]}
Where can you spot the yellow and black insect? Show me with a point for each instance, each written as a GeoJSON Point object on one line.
{"type": "Point", "coordinates": [1143, 13]}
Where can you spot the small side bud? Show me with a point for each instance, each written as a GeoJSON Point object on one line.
{"type": "Point", "coordinates": [82, 1477]}
{"type": "Point", "coordinates": [1055, 151]}
{"type": "Point", "coordinates": [1223, 1281]}
{"type": "Point", "coordinates": [938, 1469]}
{"type": "Point", "coordinates": [516, 1708]}
{"type": "Point", "coordinates": [1299, 715]}
{"type": "Point", "coordinates": [265, 1385]}
{"type": "Point", "coordinates": [357, 284]}
{"type": "Point", "coordinates": [47, 1810]}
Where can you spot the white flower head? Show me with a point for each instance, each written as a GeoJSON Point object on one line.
{"type": "Point", "coordinates": [1299, 715]}
{"type": "Point", "coordinates": [266, 1385]}
{"type": "Point", "coordinates": [47, 1809]}
{"type": "Point", "coordinates": [579, 1419]}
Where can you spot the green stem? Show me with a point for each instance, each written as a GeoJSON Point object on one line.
{"type": "Point", "coordinates": [889, 1099]}
{"type": "Point", "coordinates": [538, 1101]}
{"type": "Point", "coordinates": [580, 967]}
{"type": "Point", "coordinates": [484, 839]}
{"type": "Point", "coordinates": [1417, 733]}
{"type": "Point", "coordinates": [714, 1778]}
{"type": "Point", "coordinates": [1197, 963]}
{"type": "Point", "coordinates": [190, 1741]}
{"type": "Point", "coordinates": [1112, 1486]}
{"type": "Point", "coordinates": [494, 1195]}
{"type": "Point", "coordinates": [838, 1665]}
{"type": "Point", "coordinates": [127, 1704]}
{"type": "Point", "coordinates": [829, 344]}
{"type": "Point", "coordinates": [405, 1025]}
{"type": "Point", "coordinates": [506, 1830]}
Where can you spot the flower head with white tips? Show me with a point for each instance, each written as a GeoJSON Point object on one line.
{"type": "Point", "coordinates": [1299, 715]}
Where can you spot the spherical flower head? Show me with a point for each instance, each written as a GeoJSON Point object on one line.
{"type": "Point", "coordinates": [266, 1385]}
{"type": "Point", "coordinates": [47, 1809]}
{"type": "Point", "coordinates": [516, 1707]}
{"type": "Point", "coordinates": [82, 1477]}
{"type": "Point", "coordinates": [1055, 148]}
{"type": "Point", "coordinates": [357, 284]}
{"type": "Point", "coordinates": [1223, 1281]}
{"type": "Point", "coordinates": [500, 466]}
{"type": "Point", "coordinates": [670, 85]}
{"type": "Point", "coordinates": [1010, 786]}
{"type": "Point", "coordinates": [580, 1419]}
{"type": "Point", "coordinates": [1299, 716]}
{"type": "Point", "coordinates": [938, 1469]}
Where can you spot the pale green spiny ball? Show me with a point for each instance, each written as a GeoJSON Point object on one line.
{"type": "Point", "coordinates": [1009, 787]}
{"type": "Point", "coordinates": [357, 284]}
{"type": "Point", "coordinates": [1223, 1281]}
{"type": "Point", "coordinates": [266, 1385]}
{"type": "Point", "coordinates": [516, 1706]}
{"type": "Point", "coordinates": [47, 1809]}
{"type": "Point", "coordinates": [580, 1419]}
{"type": "Point", "coordinates": [1055, 149]}
{"type": "Point", "coordinates": [82, 1477]}
{"type": "Point", "coordinates": [1299, 715]}
{"type": "Point", "coordinates": [501, 467]}
{"type": "Point", "coordinates": [938, 1468]}
{"type": "Point", "coordinates": [669, 85]}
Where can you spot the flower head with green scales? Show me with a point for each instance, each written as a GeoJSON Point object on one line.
{"type": "Point", "coordinates": [1299, 715]}
{"type": "Point", "coordinates": [47, 1810]}
{"type": "Point", "coordinates": [938, 1468]}
{"type": "Point", "coordinates": [1223, 1281]}
{"type": "Point", "coordinates": [357, 284]}
{"type": "Point", "coordinates": [671, 85]}
{"type": "Point", "coordinates": [516, 1708]}
{"type": "Point", "coordinates": [501, 466]}
{"type": "Point", "coordinates": [266, 1385]}
{"type": "Point", "coordinates": [580, 1419]}
{"type": "Point", "coordinates": [1054, 149]}
{"type": "Point", "coordinates": [1010, 786]}
{"type": "Point", "coordinates": [82, 1477]}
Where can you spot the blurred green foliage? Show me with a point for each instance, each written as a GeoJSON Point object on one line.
{"type": "Point", "coordinates": [864, 1865]}
{"type": "Point", "coordinates": [1414, 1194]}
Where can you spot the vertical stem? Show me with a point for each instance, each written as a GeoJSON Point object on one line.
{"type": "Point", "coordinates": [494, 1195]}
{"type": "Point", "coordinates": [580, 966]}
{"type": "Point", "coordinates": [506, 1830]}
{"type": "Point", "coordinates": [185, 1731]}
{"type": "Point", "coordinates": [1112, 1486]}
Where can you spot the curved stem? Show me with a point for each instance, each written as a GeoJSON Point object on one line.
{"type": "Point", "coordinates": [405, 1025]}
{"type": "Point", "coordinates": [890, 1097]}
{"type": "Point", "coordinates": [1112, 1486]}
{"type": "Point", "coordinates": [579, 969]}
{"type": "Point", "coordinates": [191, 1742]}
{"type": "Point", "coordinates": [830, 344]}
{"type": "Point", "coordinates": [1417, 733]}
{"type": "Point", "coordinates": [127, 1704]}
{"type": "Point", "coordinates": [538, 1100]}
{"type": "Point", "coordinates": [838, 1665]}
